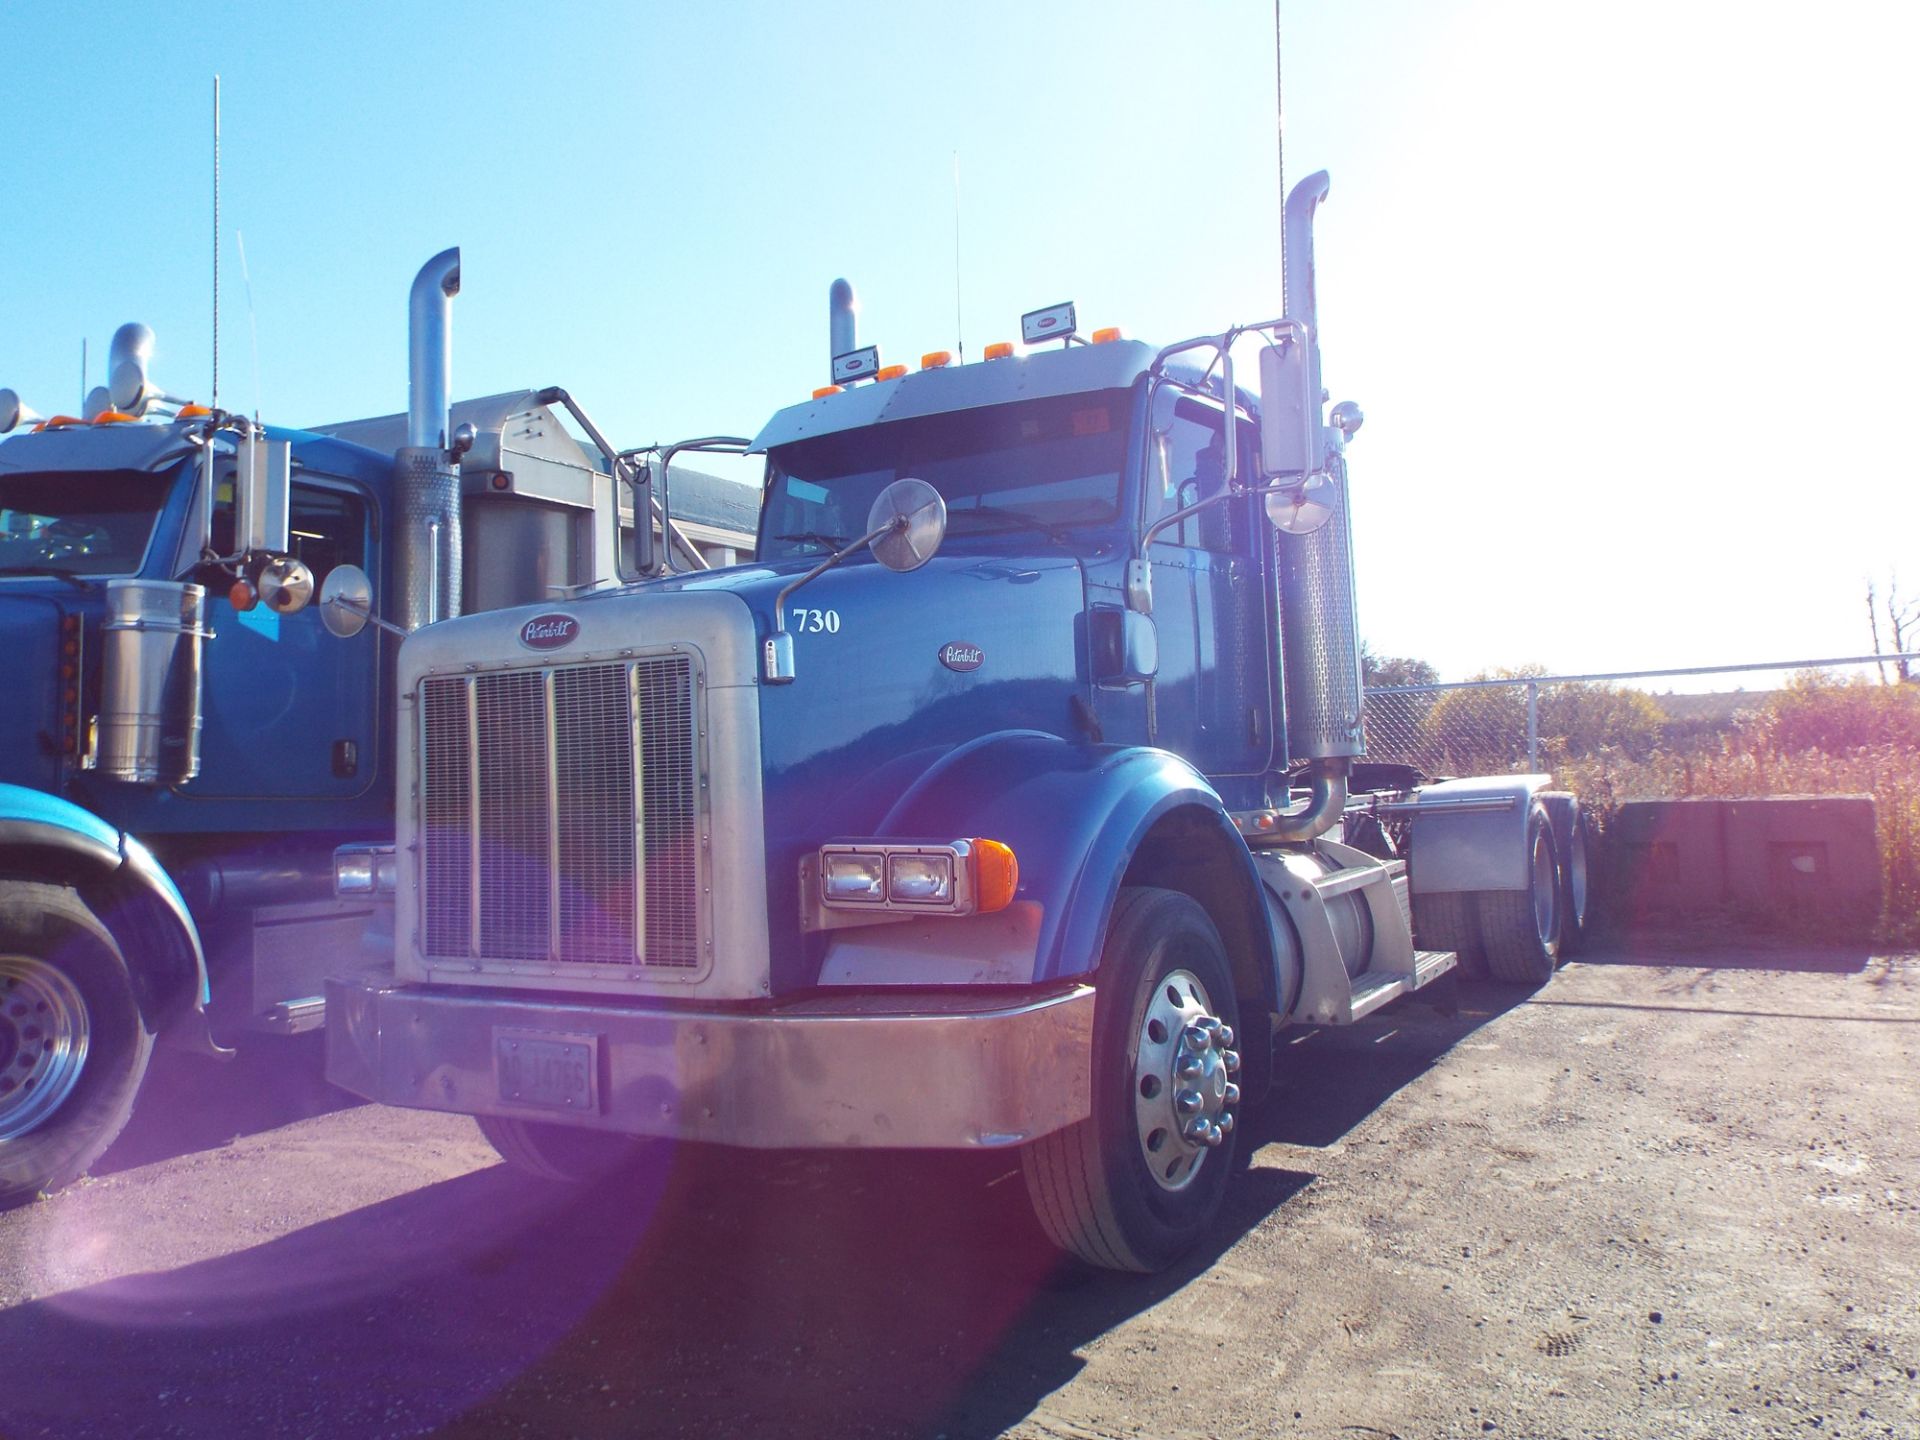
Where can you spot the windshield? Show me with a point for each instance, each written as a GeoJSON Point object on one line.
{"type": "Point", "coordinates": [1041, 465]}
{"type": "Point", "coordinates": [78, 524]}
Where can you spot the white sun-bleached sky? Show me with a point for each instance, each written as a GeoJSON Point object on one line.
{"type": "Point", "coordinates": [1627, 293]}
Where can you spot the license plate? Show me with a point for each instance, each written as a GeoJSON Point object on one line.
{"type": "Point", "coordinates": [553, 1072]}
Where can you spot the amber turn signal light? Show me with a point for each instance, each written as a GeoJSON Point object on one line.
{"type": "Point", "coordinates": [996, 875]}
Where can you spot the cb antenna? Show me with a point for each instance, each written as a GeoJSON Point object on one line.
{"type": "Point", "coordinates": [253, 323]}
{"type": "Point", "coordinates": [215, 401]}
{"type": "Point", "coordinates": [960, 339]}
{"type": "Point", "coordinates": [1280, 146]}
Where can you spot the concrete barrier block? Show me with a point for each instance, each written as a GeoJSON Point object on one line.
{"type": "Point", "coordinates": [1783, 861]}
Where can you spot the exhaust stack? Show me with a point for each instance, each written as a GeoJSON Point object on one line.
{"type": "Point", "coordinates": [129, 358]}
{"type": "Point", "coordinates": [1319, 630]}
{"type": "Point", "coordinates": [426, 484]}
{"type": "Point", "coordinates": [843, 320]}
{"type": "Point", "coordinates": [848, 362]}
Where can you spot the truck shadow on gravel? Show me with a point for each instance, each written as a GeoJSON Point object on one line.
{"type": "Point", "coordinates": [716, 1293]}
{"type": "Point", "coordinates": [765, 1295]}
{"type": "Point", "coordinates": [190, 1103]}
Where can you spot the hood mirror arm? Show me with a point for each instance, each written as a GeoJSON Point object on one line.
{"type": "Point", "coordinates": [778, 669]}
{"type": "Point", "coordinates": [909, 516]}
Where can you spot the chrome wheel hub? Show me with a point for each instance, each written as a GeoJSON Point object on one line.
{"type": "Point", "coordinates": [1184, 1092]}
{"type": "Point", "coordinates": [43, 1042]}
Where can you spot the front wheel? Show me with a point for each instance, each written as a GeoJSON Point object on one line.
{"type": "Point", "coordinates": [565, 1154]}
{"type": "Point", "coordinates": [1138, 1181]}
{"type": "Point", "coordinates": [73, 1048]}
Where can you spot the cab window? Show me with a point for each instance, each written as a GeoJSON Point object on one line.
{"type": "Point", "coordinates": [325, 527]}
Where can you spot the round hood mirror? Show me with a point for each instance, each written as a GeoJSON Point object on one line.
{"type": "Point", "coordinates": [914, 518]}
{"type": "Point", "coordinates": [285, 585]}
{"type": "Point", "coordinates": [1303, 508]}
{"type": "Point", "coordinates": [346, 600]}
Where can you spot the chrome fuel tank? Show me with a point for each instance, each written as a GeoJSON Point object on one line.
{"type": "Point", "coordinates": [150, 681]}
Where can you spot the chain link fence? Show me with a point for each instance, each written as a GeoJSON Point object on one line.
{"type": "Point", "coordinates": [1612, 722]}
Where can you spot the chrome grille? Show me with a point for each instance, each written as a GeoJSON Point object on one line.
{"type": "Point", "coordinates": [446, 816]}
{"type": "Point", "coordinates": [542, 839]}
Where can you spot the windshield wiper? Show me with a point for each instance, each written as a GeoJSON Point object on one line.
{"type": "Point", "coordinates": [59, 572]}
{"type": "Point", "coordinates": [815, 537]}
{"type": "Point", "coordinates": [1013, 519]}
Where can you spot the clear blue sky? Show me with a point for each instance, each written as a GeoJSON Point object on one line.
{"type": "Point", "coordinates": [1628, 292]}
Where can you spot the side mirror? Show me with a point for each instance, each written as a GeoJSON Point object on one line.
{"type": "Point", "coordinates": [1289, 408]}
{"type": "Point", "coordinates": [346, 601]}
{"type": "Point", "coordinates": [1302, 508]}
{"type": "Point", "coordinates": [906, 524]}
{"type": "Point", "coordinates": [1123, 646]}
{"type": "Point", "coordinates": [285, 585]}
{"type": "Point", "coordinates": [263, 474]}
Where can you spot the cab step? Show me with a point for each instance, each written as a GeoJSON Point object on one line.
{"type": "Point", "coordinates": [1376, 987]}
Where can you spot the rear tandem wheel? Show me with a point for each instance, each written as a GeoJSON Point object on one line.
{"type": "Point", "coordinates": [1522, 928]}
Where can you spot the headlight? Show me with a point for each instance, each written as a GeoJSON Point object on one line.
{"type": "Point", "coordinates": [852, 875]}
{"type": "Point", "coordinates": [927, 879]}
{"type": "Point", "coordinates": [870, 882]}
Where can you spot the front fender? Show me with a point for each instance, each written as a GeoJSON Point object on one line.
{"type": "Point", "coordinates": [1074, 815]}
{"type": "Point", "coordinates": [45, 837]}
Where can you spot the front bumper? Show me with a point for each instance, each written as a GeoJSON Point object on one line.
{"type": "Point", "coordinates": [866, 1071]}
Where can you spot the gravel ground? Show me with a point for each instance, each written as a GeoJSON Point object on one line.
{"type": "Point", "coordinates": [1668, 1196]}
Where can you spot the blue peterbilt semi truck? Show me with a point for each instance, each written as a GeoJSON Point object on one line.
{"type": "Point", "coordinates": [196, 781]}
{"type": "Point", "coordinates": [1011, 798]}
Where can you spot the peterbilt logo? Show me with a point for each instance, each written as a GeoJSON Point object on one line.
{"type": "Point", "coordinates": [957, 655]}
{"type": "Point", "coordinates": [549, 632]}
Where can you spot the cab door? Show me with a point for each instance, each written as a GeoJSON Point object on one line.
{"type": "Point", "coordinates": [290, 710]}
{"type": "Point", "coordinates": [1211, 700]}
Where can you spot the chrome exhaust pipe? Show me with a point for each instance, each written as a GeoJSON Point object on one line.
{"type": "Point", "coordinates": [430, 350]}
{"type": "Point", "coordinates": [842, 321]}
{"type": "Point", "coordinates": [1319, 629]}
{"type": "Point", "coordinates": [426, 483]}
{"type": "Point", "coordinates": [1319, 813]}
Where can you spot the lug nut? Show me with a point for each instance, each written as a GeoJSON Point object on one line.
{"type": "Point", "coordinates": [1197, 1037]}
{"type": "Point", "coordinates": [1225, 1127]}
{"type": "Point", "coordinates": [1191, 1067]}
{"type": "Point", "coordinates": [1187, 1102]}
{"type": "Point", "coordinates": [1231, 1059]}
{"type": "Point", "coordinates": [1196, 1130]}
{"type": "Point", "coordinates": [1232, 1095]}
{"type": "Point", "coordinates": [1214, 1136]}
{"type": "Point", "coordinates": [1224, 1036]}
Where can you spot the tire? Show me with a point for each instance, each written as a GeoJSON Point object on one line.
{"type": "Point", "coordinates": [1448, 922]}
{"type": "Point", "coordinates": [1571, 839]}
{"type": "Point", "coordinates": [1126, 1189]}
{"type": "Point", "coordinates": [1521, 928]}
{"type": "Point", "coordinates": [563, 1154]}
{"type": "Point", "coordinates": [73, 1045]}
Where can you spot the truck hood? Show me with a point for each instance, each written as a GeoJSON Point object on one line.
{"type": "Point", "coordinates": [877, 651]}
{"type": "Point", "coordinates": [892, 674]}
